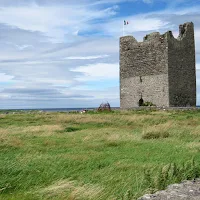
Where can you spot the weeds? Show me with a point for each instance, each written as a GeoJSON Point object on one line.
{"type": "Point", "coordinates": [171, 173]}
{"type": "Point", "coordinates": [158, 179]}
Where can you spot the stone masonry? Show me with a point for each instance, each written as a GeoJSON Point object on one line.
{"type": "Point", "coordinates": [160, 70]}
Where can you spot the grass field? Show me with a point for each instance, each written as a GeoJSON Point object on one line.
{"type": "Point", "coordinates": [98, 156]}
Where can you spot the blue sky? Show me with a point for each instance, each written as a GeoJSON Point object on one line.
{"type": "Point", "coordinates": [65, 53]}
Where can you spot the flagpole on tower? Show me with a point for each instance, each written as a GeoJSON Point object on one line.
{"type": "Point", "coordinates": [124, 24]}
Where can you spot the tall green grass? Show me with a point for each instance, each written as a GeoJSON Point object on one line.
{"type": "Point", "coordinates": [118, 155]}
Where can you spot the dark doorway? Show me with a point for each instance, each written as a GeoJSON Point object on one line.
{"type": "Point", "coordinates": [141, 102]}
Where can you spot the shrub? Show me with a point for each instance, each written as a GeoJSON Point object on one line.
{"type": "Point", "coordinates": [143, 103]}
{"type": "Point", "coordinates": [69, 129]}
{"type": "Point", "coordinates": [155, 135]}
{"type": "Point", "coordinates": [104, 107]}
{"type": "Point", "coordinates": [148, 104]}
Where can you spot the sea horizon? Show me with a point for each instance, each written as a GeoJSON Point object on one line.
{"type": "Point", "coordinates": [64, 109]}
{"type": "Point", "coordinates": [53, 109]}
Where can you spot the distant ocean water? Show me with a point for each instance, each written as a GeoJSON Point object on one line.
{"type": "Point", "coordinates": [52, 109]}
{"type": "Point", "coordinates": [63, 109]}
{"type": "Point", "coordinates": [49, 109]}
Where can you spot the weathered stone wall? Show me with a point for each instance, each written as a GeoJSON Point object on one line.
{"type": "Point", "coordinates": [153, 88]}
{"type": "Point", "coordinates": [161, 69]}
{"type": "Point", "coordinates": [144, 71]}
{"type": "Point", "coordinates": [182, 72]}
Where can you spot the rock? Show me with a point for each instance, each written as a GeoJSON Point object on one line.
{"type": "Point", "coordinates": [187, 190]}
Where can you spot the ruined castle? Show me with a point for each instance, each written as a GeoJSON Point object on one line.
{"type": "Point", "coordinates": [160, 70]}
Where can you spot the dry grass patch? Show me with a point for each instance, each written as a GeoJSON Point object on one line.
{"type": "Point", "coordinates": [124, 166]}
{"type": "Point", "coordinates": [114, 137]}
{"type": "Point", "coordinates": [161, 127]}
{"type": "Point", "coordinates": [3, 134]}
{"type": "Point", "coordinates": [95, 134]}
{"type": "Point", "coordinates": [83, 118]}
{"type": "Point", "coordinates": [109, 135]}
{"type": "Point", "coordinates": [49, 143]}
{"type": "Point", "coordinates": [192, 122]}
{"type": "Point", "coordinates": [16, 142]}
{"type": "Point", "coordinates": [196, 130]}
{"type": "Point", "coordinates": [157, 131]}
{"type": "Point", "coordinates": [12, 142]}
{"type": "Point", "coordinates": [4, 131]}
{"type": "Point", "coordinates": [194, 145]}
{"type": "Point", "coordinates": [133, 118]}
{"type": "Point", "coordinates": [161, 112]}
{"type": "Point", "coordinates": [43, 130]}
{"type": "Point", "coordinates": [2, 115]}
{"type": "Point", "coordinates": [122, 137]}
{"type": "Point", "coordinates": [73, 189]}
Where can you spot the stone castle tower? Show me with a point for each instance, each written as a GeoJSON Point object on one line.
{"type": "Point", "coordinates": [160, 70]}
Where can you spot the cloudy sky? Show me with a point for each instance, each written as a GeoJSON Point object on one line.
{"type": "Point", "coordinates": [65, 53]}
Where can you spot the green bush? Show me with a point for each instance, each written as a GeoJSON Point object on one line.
{"type": "Point", "coordinates": [69, 129]}
{"type": "Point", "coordinates": [148, 104]}
{"type": "Point", "coordinates": [155, 135]}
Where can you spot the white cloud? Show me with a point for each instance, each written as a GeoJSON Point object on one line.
{"type": "Point", "coordinates": [85, 57]}
{"type": "Point", "coordinates": [22, 47]}
{"type": "Point", "coordinates": [98, 71]}
{"type": "Point", "coordinates": [54, 21]}
{"type": "Point", "coordinates": [5, 78]}
{"type": "Point", "coordinates": [138, 23]}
